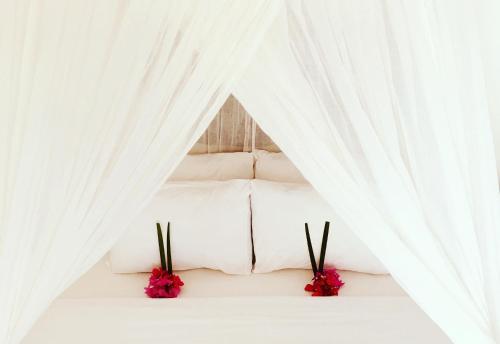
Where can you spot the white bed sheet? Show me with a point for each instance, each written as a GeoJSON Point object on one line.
{"type": "Point", "coordinates": [100, 282]}
{"type": "Point", "coordinates": [218, 308]}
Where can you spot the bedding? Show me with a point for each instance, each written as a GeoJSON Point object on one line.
{"type": "Point", "coordinates": [217, 166]}
{"type": "Point", "coordinates": [355, 320]}
{"type": "Point", "coordinates": [99, 282]}
{"type": "Point", "coordinates": [279, 211]}
{"type": "Point", "coordinates": [214, 307]}
{"type": "Point", "coordinates": [276, 167]}
{"type": "Point", "coordinates": [195, 210]}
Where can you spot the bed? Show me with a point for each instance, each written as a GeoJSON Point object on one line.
{"type": "Point", "coordinates": [214, 307]}
{"type": "Point", "coordinates": [218, 307]}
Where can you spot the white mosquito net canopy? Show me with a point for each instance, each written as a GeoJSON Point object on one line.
{"type": "Point", "coordinates": [382, 105]}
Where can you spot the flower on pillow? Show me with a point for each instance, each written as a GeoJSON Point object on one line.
{"type": "Point", "coordinates": [163, 285]}
{"type": "Point", "coordinates": [326, 283]}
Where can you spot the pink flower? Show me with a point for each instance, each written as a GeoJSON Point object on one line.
{"type": "Point", "coordinates": [163, 285]}
{"type": "Point", "coordinates": [326, 283]}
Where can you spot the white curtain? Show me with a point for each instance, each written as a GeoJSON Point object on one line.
{"type": "Point", "coordinates": [99, 100]}
{"type": "Point", "coordinates": [381, 105]}
{"type": "Point", "coordinates": [488, 18]}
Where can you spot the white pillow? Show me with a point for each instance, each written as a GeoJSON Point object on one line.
{"type": "Point", "coordinates": [276, 167]}
{"type": "Point", "coordinates": [279, 211]}
{"type": "Point", "coordinates": [217, 166]}
{"type": "Point", "coordinates": [209, 228]}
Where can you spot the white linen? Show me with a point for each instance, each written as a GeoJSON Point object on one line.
{"type": "Point", "coordinates": [100, 282]}
{"type": "Point", "coordinates": [99, 100]}
{"type": "Point", "coordinates": [112, 308]}
{"type": "Point", "coordinates": [209, 227]}
{"type": "Point", "coordinates": [276, 167]}
{"type": "Point", "coordinates": [218, 166]}
{"type": "Point", "coordinates": [353, 320]}
{"type": "Point", "coordinates": [279, 211]}
{"type": "Point", "coordinates": [381, 106]}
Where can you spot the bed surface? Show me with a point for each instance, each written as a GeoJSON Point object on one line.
{"type": "Point", "coordinates": [100, 282]}
{"type": "Point", "coordinates": [214, 307]}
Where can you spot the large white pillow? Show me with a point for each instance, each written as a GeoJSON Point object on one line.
{"type": "Point", "coordinates": [209, 228]}
{"type": "Point", "coordinates": [276, 167]}
{"type": "Point", "coordinates": [217, 166]}
{"type": "Point", "coordinates": [279, 211]}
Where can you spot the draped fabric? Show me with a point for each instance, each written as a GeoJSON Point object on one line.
{"type": "Point", "coordinates": [233, 130]}
{"type": "Point", "coordinates": [381, 105]}
{"type": "Point", "coordinates": [99, 100]}
{"type": "Point", "coordinates": [487, 13]}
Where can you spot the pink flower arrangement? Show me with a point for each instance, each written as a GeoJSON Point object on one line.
{"type": "Point", "coordinates": [326, 283]}
{"type": "Point", "coordinates": [163, 285]}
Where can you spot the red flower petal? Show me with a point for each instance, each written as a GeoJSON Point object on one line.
{"type": "Point", "coordinates": [163, 285]}
{"type": "Point", "coordinates": [326, 283]}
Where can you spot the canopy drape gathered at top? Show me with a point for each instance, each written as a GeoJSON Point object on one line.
{"type": "Point", "coordinates": [381, 105]}
{"type": "Point", "coordinates": [99, 100]}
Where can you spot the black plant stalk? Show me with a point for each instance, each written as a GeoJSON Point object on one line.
{"type": "Point", "coordinates": [323, 246]}
{"type": "Point", "coordinates": [160, 246]}
{"type": "Point", "coordinates": [311, 252]}
{"type": "Point", "coordinates": [169, 255]}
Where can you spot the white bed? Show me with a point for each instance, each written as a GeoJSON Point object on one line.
{"type": "Point", "coordinates": [217, 308]}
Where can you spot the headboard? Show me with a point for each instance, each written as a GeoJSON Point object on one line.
{"type": "Point", "coordinates": [233, 130]}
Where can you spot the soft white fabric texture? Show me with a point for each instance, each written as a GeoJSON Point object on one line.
{"type": "Point", "coordinates": [213, 307]}
{"type": "Point", "coordinates": [279, 211]}
{"type": "Point", "coordinates": [488, 13]}
{"type": "Point", "coordinates": [242, 320]}
{"type": "Point", "coordinates": [381, 106]}
{"type": "Point", "coordinates": [99, 100]}
{"type": "Point", "coordinates": [276, 167]}
{"type": "Point", "coordinates": [100, 282]}
{"type": "Point", "coordinates": [209, 228]}
{"type": "Point", "coordinates": [217, 166]}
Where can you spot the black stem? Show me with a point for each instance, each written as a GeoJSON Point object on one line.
{"type": "Point", "coordinates": [160, 246]}
{"type": "Point", "coordinates": [169, 254]}
{"type": "Point", "coordinates": [323, 246]}
{"type": "Point", "coordinates": [311, 252]}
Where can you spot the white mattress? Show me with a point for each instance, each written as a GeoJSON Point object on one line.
{"type": "Point", "coordinates": [217, 308]}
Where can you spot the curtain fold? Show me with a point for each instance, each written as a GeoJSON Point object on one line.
{"type": "Point", "coordinates": [487, 13]}
{"type": "Point", "coordinates": [381, 105]}
{"type": "Point", "coordinates": [99, 100]}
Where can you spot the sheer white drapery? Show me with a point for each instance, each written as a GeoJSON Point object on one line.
{"type": "Point", "coordinates": [381, 105]}
{"type": "Point", "coordinates": [98, 102]}
{"type": "Point", "coordinates": [488, 12]}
